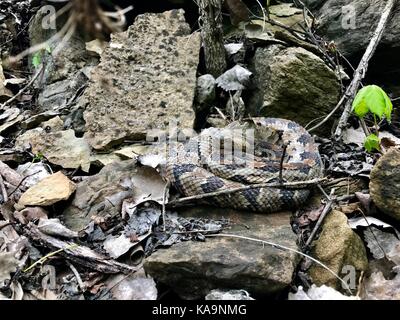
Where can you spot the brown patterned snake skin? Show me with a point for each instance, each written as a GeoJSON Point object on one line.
{"type": "Point", "coordinates": [195, 172]}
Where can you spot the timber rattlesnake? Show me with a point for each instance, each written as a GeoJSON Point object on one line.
{"type": "Point", "coordinates": [198, 169]}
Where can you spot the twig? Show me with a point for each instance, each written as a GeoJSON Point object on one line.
{"type": "Point", "coordinates": [321, 218]}
{"type": "Point", "coordinates": [361, 70]}
{"type": "Point", "coordinates": [5, 225]}
{"type": "Point", "coordinates": [20, 183]}
{"type": "Point", "coordinates": [281, 164]}
{"type": "Point", "coordinates": [284, 248]}
{"type": "Point", "coordinates": [166, 191]}
{"type": "Point", "coordinates": [3, 189]}
{"type": "Point", "coordinates": [323, 192]}
{"type": "Point", "coordinates": [77, 276]}
{"type": "Point", "coordinates": [373, 234]}
{"type": "Point", "coordinates": [296, 184]}
{"type": "Point", "coordinates": [336, 108]}
{"type": "Point", "coordinates": [51, 254]}
{"type": "Point", "coordinates": [264, 15]}
{"type": "Point", "coordinates": [220, 113]}
{"type": "Point", "coordinates": [2, 106]}
{"type": "Point", "coordinates": [196, 231]}
{"type": "Point", "coordinates": [364, 127]}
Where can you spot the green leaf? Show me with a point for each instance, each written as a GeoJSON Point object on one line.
{"type": "Point", "coordinates": [360, 105]}
{"type": "Point", "coordinates": [389, 107]}
{"type": "Point", "coordinates": [372, 142]}
{"type": "Point", "coordinates": [36, 59]}
{"type": "Point", "coordinates": [372, 99]}
{"type": "Point", "coordinates": [376, 101]}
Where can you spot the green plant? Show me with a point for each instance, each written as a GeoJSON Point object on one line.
{"type": "Point", "coordinates": [37, 57]}
{"type": "Point", "coordinates": [38, 157]}
{"type": "Point", "coordinates": [373, 100]}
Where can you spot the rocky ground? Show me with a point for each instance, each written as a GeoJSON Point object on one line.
{"type": "Point", "coordinates": [85, 215]}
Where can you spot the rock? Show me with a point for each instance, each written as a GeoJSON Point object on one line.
{"type": "Point", "coordinates": [154, 67]}
{"type": "Point", "coordinates": [377, 287]}
{"type": "Point", "coordinates": [131, 151]}
{"type": "Point", "coordinates": [137, 286]}
{"type": "Point", "coordinates": [64, 74]}
{"type": "Point", "coordinates": [53, 124]}
{"type": "Point", "coordinates": [48, 191]}
{"type": "Point", "coordinates": [101, 160]}
{"type": "Point", "coordinates": [75, 120]}
{"type": "Point", "coordinates": [9, 118]}
{"type": "Point", "coordinates": [32, 173]}
{"type": "Point", "coordinates": [228, 295]}
{"type": "Point", "coordinates": [314, 4]}
{"type": "Point", "coordinates": [60, 147]}
{"type": "Point", "coordinates": [37, 119]}
{"type": "Point", "coordinates": [284, 10]}
{"type": "Point", "coordinates": [58, 94]}
{"type": "Point", "coordinates": [205, 92]}
{"type": "Point", "coordinates": [4, 92]}
{"type": "Point", "coordinates": [14, 155]}
{"type": "Point", "coordinates": [351, 25]}
{"type": "Point", "coordinates": [192, 269]}
{"type": "Point", "coordinates": [53, 227]}
{"type": "Point", "coordinates": [102, 195]}
{"type": "Point", "coordinates": [261, 31]}
{"type": "Point", "coordinates": [9, 124]}
{"type": "Point", "coordinates": [385, 183]}
{"type": "Point", "coordinates": [338, 246]}
{"type": "Point", "coordinates": [31, 214]}
{"type": "Point", "coordinates": [292, 83]}
{"type": "Point", "coordinates": [319, 293]}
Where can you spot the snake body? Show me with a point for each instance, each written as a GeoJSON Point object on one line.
{"type": "Point", "coordinates": [278, 149]}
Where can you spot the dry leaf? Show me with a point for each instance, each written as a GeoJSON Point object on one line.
{"type": "Point", "coordinates": [8, 265]}
{"type": "Point", "coordinates": [376, 287]}
{"type": "Point", "coordinates": [234, 79]}
{"type": "Point", "coordinates": [383, 243]}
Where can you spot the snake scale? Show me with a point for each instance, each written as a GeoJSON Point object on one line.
{"type": "Point", "coordinates": [277, 146]}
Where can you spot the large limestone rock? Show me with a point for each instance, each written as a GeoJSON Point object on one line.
{"type": "Point", "coordinates": [292, 83]}
{"type": "Point", "coordinates": [48, 191]}
{"type": "Point", "coordinates": [385, 183]}
{"type": "Point", "coordinates": [193, 269]}
{"type": "Point", "coordinates": [147, 76]}
{"type": "Point", "coordinates": [338, 246]}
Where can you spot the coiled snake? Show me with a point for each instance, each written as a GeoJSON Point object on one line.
{"type": "Point", "coordinates": [276, 148]}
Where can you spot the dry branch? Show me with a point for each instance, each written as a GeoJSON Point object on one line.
{"type": "Point", "coordinates": [79, 254]}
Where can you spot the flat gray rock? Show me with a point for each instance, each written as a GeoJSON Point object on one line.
{"type": "Point", "coordinates": [193, 269]}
